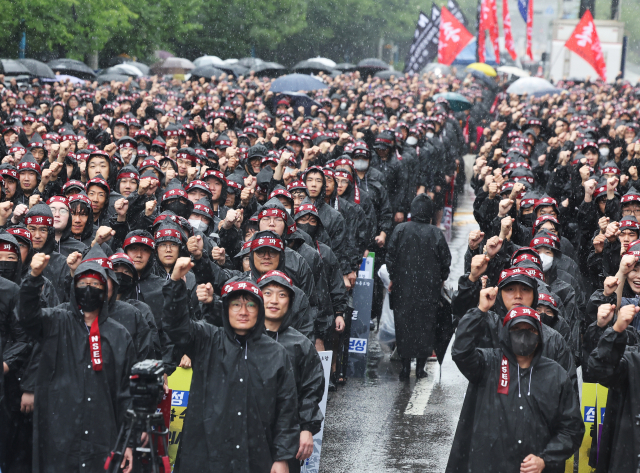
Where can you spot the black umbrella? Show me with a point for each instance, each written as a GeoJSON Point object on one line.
{"type": "Point", "coordinates": [297, 99]}
{"type": "Point", "coordinates": [444, 329]}
{"type": "Point", "coordinates": [373, 63]}
{"type": "Point", "coordinates": [311, 67]}
{"type": "Point", "coordinates": [388, 74]}
{"type": "Point", "coordinates": [269, 69]}
{"type": "Point", "coordinates": [37, 68]}
{"type": "Point", "coordinates": [72, 67]}
{"type": "Point", "coordinates": [234, 69]}
{"type": "Point", "coordinates": [346, 67]}
{"type": "Point", "coordinates": [11, 67]}
{"type": "Point", "coordinates": [207, 72]}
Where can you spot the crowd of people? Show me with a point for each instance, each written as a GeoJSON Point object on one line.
{"type": "Point", "coordinates": [217, 226]}
{"type": "Point", "coordinates": [213, 225]}
{"type": "Point", "coordinates": [551, 283]}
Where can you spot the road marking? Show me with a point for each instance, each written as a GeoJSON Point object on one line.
{"type": "Point", "coordinates": [421, 393]}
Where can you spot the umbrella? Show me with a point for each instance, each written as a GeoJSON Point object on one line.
{"type": "Point", "coordinates": [207, 61]}
{"type": "Point", "coordinates": [298, 99]}
{"type": "Point", "coordinates": [250, 62]}
{"type": "Point", "coordinates": [373, 63]}
{"type": "Point", "coordinates": [531, 85]}
{"type": "Point", "coordinates": [112, 76]}
{"type": "Point", "coordinates": [388, 74]}
{"type": "Point", "coordinates": [160, 54]}
{"type": "Point", "coordinates": [323, 60]}
{"type": "Point", "coordinates": [513, 71]}
{"type": "Point", "coordinates": [346, 67]}
{"type": "Point", "coordinates": [231, 61]}
{"type": "Point", "coordinates": [457, 102]}
{"type": "Point", "coordinates": [444, 329]}
{"type": "Point", "coordinates": [11, 67]}
{"type": "Point", "coordinates": [297, 82]}
{"type": "Point", "coordinates": [482, 77]}
{"type": "Point", "coordinates": [174, 65]}
{"type": "Point", "coordinates": [73, 68]}
{"type": "Point", "coordinates": [370, 66]}
{"type": "Point", "coordinates": [126, 69]}
{"type": "Point", "coordinates": [37, 68]}
{"type": "Point", "coordinates": [269, 69]}
{"type": "Point", "coordinates": [233, 69]}
{"type": "Point", "coordinates": [437, 69]}
{"type": "Point", "coordinates": [206, 71]}
{"type": "Point", "coordinates": [484, 68]}
{"type": "Point", "coordinates": [64, 78]}
{"type": "Point", "coordinates": [311, 67]}
{"type": "Point", "coordinates": [146, 70]}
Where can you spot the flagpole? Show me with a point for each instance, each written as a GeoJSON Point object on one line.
{"type": "Point", "coordinates": [478, 13]}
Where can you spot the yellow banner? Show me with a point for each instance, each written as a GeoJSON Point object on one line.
{"type": "Point", "coordinates": [179, 383]}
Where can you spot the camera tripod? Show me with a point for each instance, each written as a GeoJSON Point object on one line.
{"type": "Point", "coordinates": [145, 459]}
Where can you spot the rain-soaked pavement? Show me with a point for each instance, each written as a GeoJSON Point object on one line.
{"type": "Point", "coordinates": [380, 424]}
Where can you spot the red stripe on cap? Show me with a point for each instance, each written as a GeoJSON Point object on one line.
{"type": "Point", "coordinates": [278, 274]}
{"type": "Point", "coordinates": [104, 262]}
{"type": "Point", "coordinates": [58, 198]}
{"type": "Point", "coordinates": [21, 232]}
{"type": "Point", "coordinates": [547, 298]}
{"type": "Point", "coordinates": [271, 242]}
{"type": "Point", "coordinates": [241, 286]}
{"type": "Point", "coordinates": [169, 232]}
{"type": "Point", "coordinates": [521, 311]}
{"type": "Point", "coordinates": [530, 272]}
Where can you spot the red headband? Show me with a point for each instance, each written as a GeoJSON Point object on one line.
{"type": "Point", "coordinates": [169, 232]}
{"type": "Point", "coordinates": [128, 175]}
{"type": "Point", "coordinates": [531, 272]}
{"type": "Point", "coordinates": [140, 240]}
{"type": "Point", "coordinates": [10, 247]}
{"type": "Point", "coordinates": [273, 213]}
{"type": "Point", "coordinates": [104, 262]}
{"type": "Point", "coordinates": [203, 208]}
{"type": "Point", "coordinates": [271, 242]}
{"type": "Point", "coordinates": [58, 198]}
{"type": "Point", "coordinates": [521, 311]}
{"type": "Point", "coordinates": [244, 285]}
{"type": "Point", "coordinates": [547, 298]}
{"type": "Point", "coordinates": [39, 220]}
{"type": "Point", "coordinates": [95, 276]}
{"type": "Point", "coordinates": [275, 273]}
{"type": "Point", "coordinates": [21, 232]}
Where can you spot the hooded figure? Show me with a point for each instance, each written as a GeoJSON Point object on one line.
{"type": "Point", "coordinates": [37, 217]}
{"type": "Point", "coordinates": [307, 367]}
{"type": "Point", "coordinates": [512, 411]}
{"type": "Point", "coordinates": [67, 244]}
{"type": "Point", "coordinates": [243, 391]}
{"type": "Point", "coordinates": [207, 271]}
{"type": "Point", "coordinates": [418, 261]}
{"type": "Point", "coordinates": [84, 372]}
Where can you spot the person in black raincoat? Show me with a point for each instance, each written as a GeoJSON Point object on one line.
{"type": "Point", "coordinates": [15, 350]}
{"type": "Point", "coordinates": [77, 422]}
{"type": "Point", "coordinates": [65, 244]}
{"type": "Point", "coordinates": [243, 402]}
{"type": "Point", "coordinates": [280, 309]}
{"type": "Point", "coordinates": [39, 222]}
{"type": "Point", "coordinates": [615, 363]}
{"type": "Point", "coordinates": [418, 261]}
{"type": "Point", "coordinates": [520, 411]}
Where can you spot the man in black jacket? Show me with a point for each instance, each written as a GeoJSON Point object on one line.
{"type": "Point", "coordinates": [520, 411]}
{"type": "Point", "coordinates": [280, 308]}
{"type": "Point", "coordinates": [82, 390]}
{"type": "Point", "coordinates": [243, 414]}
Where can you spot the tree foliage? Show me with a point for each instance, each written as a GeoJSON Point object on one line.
{"type": "Point", "coordinates": [282, 30]}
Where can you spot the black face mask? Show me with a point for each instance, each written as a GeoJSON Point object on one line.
{"type": "Point", "coordinates": [8, 269]}
{"type": "Point", "coordinates": [527, 220]}
{"type": "Point", "coordinates": [89, 298]}
{"type": "Point", "coordinates": [523, 342]}
{"type": "Point", "coordinates": [179, 208]}
{"type": "Point", "coordinates": [125, 283]}
{"type": "Point", "coordinates": [311, 230]}
{"type": "Point", "coordinates": [548, 320]}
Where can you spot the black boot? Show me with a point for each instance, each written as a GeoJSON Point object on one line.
{"type": "Point", "coordinates": [405, 372]}
{"type": "Point", "coordinates": [420, 372]}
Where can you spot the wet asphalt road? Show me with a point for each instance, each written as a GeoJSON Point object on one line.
{"type": "Point", "coordinates": [380, 424]}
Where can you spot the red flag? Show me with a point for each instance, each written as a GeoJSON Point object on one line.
{"type": "Point", "coordinates": [585, 43]}
{"type": "Point", "coordinates": [485, 15]}
{"type": "Point", "coordinates": [506, 25]}
{"type": "Point", "coordinates": [453, 37]}
{"type": "Point", "coordinates": [493, 29]}
{"type": "Point", "coordinates": [530, 29]}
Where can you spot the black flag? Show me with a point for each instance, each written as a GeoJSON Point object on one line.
{"type": "Point", "coordinates": [418, 37]}
{"type": "Point", "coordinates": [455, 10]}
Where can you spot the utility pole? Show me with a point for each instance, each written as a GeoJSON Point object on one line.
{"type": "Point", "coordinates": [22, 46]}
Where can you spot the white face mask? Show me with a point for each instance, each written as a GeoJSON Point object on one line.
{"type": "Point", "coordinates": [547, 261]}
{"type": "Point", "coordinates": [197, 224]}
{"type": "Point", "coordinates": [361, 164]}
{"type": "Point", "coordinates": [429, 134]}
{"type": "Point", "coordinates": [604, 152]}
{"type": "Point", "coordinates": [343, 105]}
{"type": "Point", "coordinates": [412, 140]}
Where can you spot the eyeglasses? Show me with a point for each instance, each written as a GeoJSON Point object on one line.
{"type": "Point", "coordinates": [236, 306]}
{"type": "Point", "coordinates": [627, 212]}
{"type": "Point", "coordinates": [85, 283]}
{"type": "Point", "coordinates": [273, 219]}
{"type": "Point", "coordinates": [269, 252]}
{"type": "Point", "coordinates": [61, 212]}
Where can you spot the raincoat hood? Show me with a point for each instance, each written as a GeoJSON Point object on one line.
{"type": "Point", "coordinates": [247, 288]}
{"type": "Point", "coordinates": [421, 209]}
